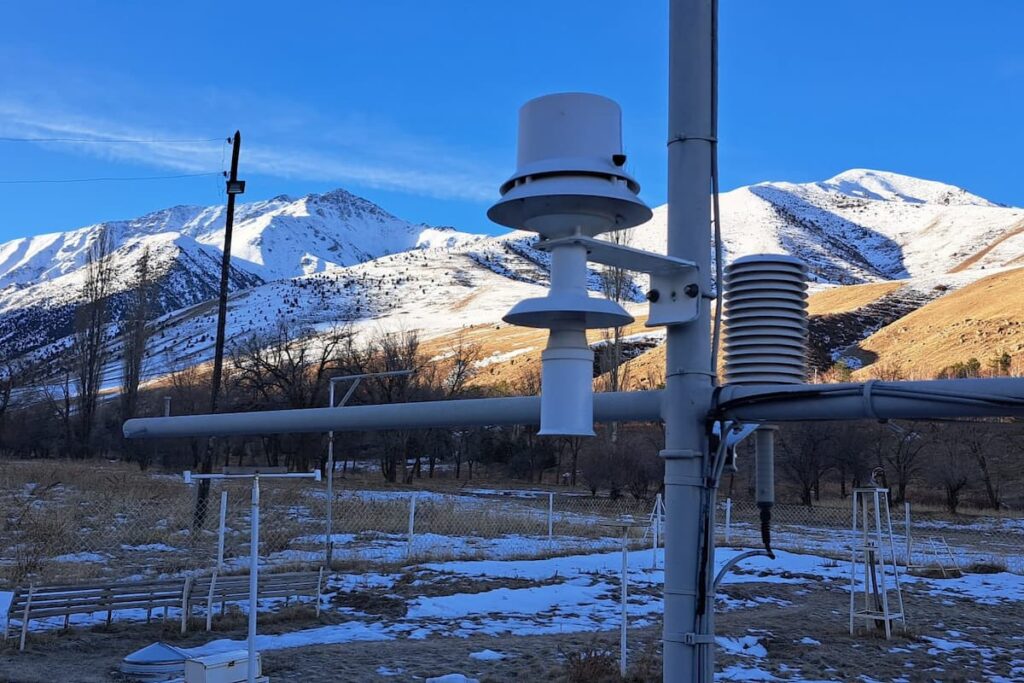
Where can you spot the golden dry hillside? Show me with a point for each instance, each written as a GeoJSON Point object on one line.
{"type": "Point", "coordinates": [982, 320]}
{"type": "Point", "coordinates": [507, 351]}
{"type": "Point", "coordinates": [849, 298]}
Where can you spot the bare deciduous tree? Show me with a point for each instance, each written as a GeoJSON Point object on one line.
{"type": "Point", "coordinates": [951, 471]}
{"type": "Point", "coordinates": [88, 348]}
{"type": "Point", "coordinates": [898, 450]}
{"type": "Point", "coordinates": [806, 456]}
{"type": "Point", "coordinates": [134, 336]}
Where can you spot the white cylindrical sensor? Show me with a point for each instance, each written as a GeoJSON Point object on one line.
{"type": "Point", "coordinates": [567, 391]}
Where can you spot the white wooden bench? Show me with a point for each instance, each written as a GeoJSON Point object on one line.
{"type": "Point", "coordinates": [209, 590]}
{"type": "Point", "coordinates": [41, 602]}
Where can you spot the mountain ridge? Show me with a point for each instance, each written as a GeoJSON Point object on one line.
{"type": "Point", "coordinates": [337, 258]}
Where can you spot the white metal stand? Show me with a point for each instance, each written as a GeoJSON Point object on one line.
{"type": "Point", "coordinates": [655, 524]}
{"type": "Point", "coordinates": [254, 542]}
{"type": "Point", "coordinates": [624, 525]}
{"type": "Point", "coordinates": [872, 560]}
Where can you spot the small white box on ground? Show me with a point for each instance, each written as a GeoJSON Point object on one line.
{"type": "Point", "coordinates": [223, 667]}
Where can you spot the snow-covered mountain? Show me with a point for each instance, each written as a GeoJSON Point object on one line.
{"type": "Point", "coordinates": [320, 260]}
{"type": "Point", "coordinates": [41, 277]}
{"type": "Point", "coordinates": [864, 226]}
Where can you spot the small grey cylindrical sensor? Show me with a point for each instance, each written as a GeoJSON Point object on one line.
{"type": "Point", "coordinates": [764, 457]}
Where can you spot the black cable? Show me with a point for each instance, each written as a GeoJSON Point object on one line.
{"type": "Point", "coordinates": [720, 409]}
{"type": "Point", "coordinates": [952, 397]}
{"type": "Point", "coordinates": [879, 391]}
{"type": "Point", "coordinates": [107, 179]}
{"type": "Point", "coordinates": [716, 334]}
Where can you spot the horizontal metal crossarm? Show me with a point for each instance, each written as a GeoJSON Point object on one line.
{"type": "Point", "coordinates": [934, 399]}
{"type": "Point", "coordinates": [620, 256]}
{"type": "Point", "coordinates": [608, 407]}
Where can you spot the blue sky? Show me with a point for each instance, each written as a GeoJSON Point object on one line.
{"type": "Point", "coordinates": [413, 104]}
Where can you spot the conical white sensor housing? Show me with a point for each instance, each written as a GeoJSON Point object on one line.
{"type": "Point", "coordinates": [567, 364]}
{"type": "Point", "coordinates": [569, 177]}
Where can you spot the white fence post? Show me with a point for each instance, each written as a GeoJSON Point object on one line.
{"type": "Point", "coordinates": [551, 515]}
{"type": "Point", "coordinates": [624, 596]}
{"type": "Point", "coordinates": [412, 523]}
{"type": "Point", "coordinates": [728, 519]}
{"type": "Point", "coordinates": [656, 527]}
{"type": "Point", "coordinates": [220, 529]}
{"type": "Point", "coordinates": [254, 569]}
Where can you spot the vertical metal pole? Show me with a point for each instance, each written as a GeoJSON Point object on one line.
{"type": "Point", "coordinates": [728, 519]}
{"type": "Point", "coordinates": [688, 347]}
{"type": "Point", "coordinates": [329, 547]}
{"type": "Point", "coordinates": [551, 514]}
{"type": "Point", "coordinates": [254, 558]}
{"type": "Point", "coordinates": [221, 528]}
{"type": "Point", "coordinates": [412, 524]}
{"type": "Point", "coordinates": [625, 581]}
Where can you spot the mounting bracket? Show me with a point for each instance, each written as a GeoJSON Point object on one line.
{"type": "Point", "coordinates": [675, 283]}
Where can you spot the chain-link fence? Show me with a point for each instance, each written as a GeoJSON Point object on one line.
{"type": "Point", "coordinates": [64, 533]}
{"type": "Point", "coordinates": [90, 526]}
{"type": "Point", "coordinates": [930, 538]}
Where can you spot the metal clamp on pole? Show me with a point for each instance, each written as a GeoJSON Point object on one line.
{"type": "Point", "coordinates": [675, 293]}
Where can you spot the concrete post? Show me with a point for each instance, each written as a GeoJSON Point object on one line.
{"type": "Point", "coordinates": [688, 378]}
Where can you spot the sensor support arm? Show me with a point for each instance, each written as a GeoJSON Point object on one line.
{"type": "Point", "coordinates": [675, 290]}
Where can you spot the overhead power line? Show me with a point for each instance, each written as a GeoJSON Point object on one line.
{"type": "Point", "coordinates": [112, 140]}
{"type": "Point", "coordinates": [107, 179]}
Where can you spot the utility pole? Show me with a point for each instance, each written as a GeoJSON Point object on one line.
{"type": "Point", "coordinates": [234, 186]}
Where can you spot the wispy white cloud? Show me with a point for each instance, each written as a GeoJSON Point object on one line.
{"type": "Point", "coordinates": [380, 159]}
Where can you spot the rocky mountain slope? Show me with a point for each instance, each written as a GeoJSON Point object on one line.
{"type": "Point", "coordinates": [321, 260]}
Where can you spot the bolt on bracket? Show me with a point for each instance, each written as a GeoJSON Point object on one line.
{"type": "Point", "coordinates": [675, 283]}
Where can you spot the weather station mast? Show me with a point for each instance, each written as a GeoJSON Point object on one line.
{"type": "Point", "coordinates": [570, 186]}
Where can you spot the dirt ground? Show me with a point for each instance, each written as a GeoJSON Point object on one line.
{"type": "Point", "coordinates": [787, 619]}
